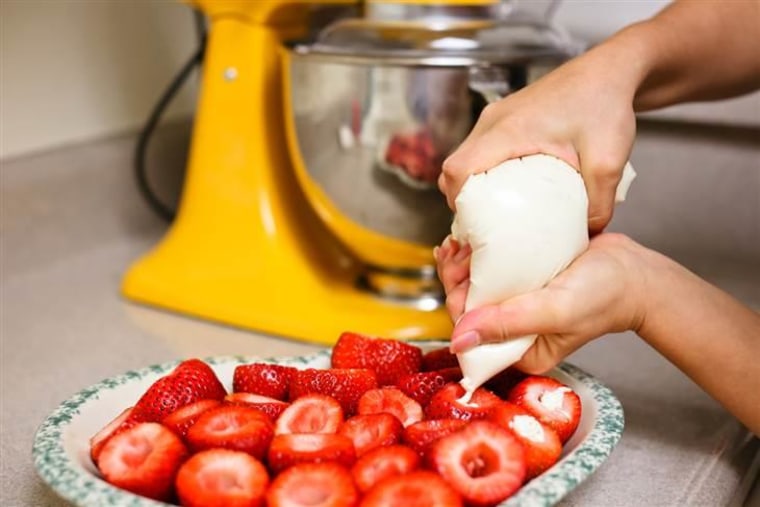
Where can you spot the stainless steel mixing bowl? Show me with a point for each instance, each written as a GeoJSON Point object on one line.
{"type": "Point", "coordinates": [375, 107]}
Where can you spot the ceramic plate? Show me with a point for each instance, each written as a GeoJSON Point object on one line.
{"type": "Point", "coordinates": [61, 445]}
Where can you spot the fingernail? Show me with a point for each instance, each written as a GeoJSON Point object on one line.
{"type": "Point", "coordinates": [435, 252]}
{"type": "Point", "coordinates": [464, 341]}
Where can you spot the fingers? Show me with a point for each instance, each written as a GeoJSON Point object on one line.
{"type": "Point", "coordinates": [453, 265]}
{"type": "Point", "coordinates": [477, 154]}
{"type": "Point", "coordinates": [601, 170]}
{"type": "Point", "coordinates": [533, 313]}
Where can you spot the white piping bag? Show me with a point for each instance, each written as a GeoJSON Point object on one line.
{"type": "Point", "coordinates": [526, 221]}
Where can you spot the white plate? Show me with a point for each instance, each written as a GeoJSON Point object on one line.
{"type": "Point", "coordinates": [62, 452]}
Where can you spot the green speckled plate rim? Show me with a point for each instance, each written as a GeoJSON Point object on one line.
{"type": "Point", "coordinates": [75, 484]}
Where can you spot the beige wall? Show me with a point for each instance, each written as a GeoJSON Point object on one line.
{"type": "Point", "coordinates": [75, 70]}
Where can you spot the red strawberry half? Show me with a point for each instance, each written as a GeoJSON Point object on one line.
{"type": "Point", "coordinates": [143, 459]}
{"type": "Point", "coordinates": [439, 359]}
{"type": "Point", "coordinates": [541, 444]}
{"type": "Point", "coordinates": [219, 477]}
{"type": "Point", "coordinates": [269, 406]}
{"type": "Point", "coordinates": [289, 450]}
{"type": "Point", "coordinates": [191, 381]}
{"type": "Point", "coordinates": [551, 402]}
{"type": "Point", "coordinates": [392, 401]}
{"type": "Point", "coordinates": [123, 421]}
{"type": "Point", "coordinates": [232, 427]}
{"type": "Point", "coordinates": [271, 380]}
{"type": "Point", "coordinates": [420, 435]}
{"type": "Point", "coordinates": [313, 413]}
{"type": "Point", "coordinates": [346, 386]}
{"type": "Point", "coordinates": [389, 359]}
{"type": "Point", "coordinates": [503, 382]}
{"type": "Point", "coordinates": [416, 489]}
{"type": "Point", "coordinates": [313, 485]}
{"type": "Point", "coordinates": [483, 462]}
{"type": "Point", "coordinates": [422, 386]}
{"type": "Point", "coordinates": [445, 404]}
{"type": "Point", "coordinates": [382, 463]}
{"type": "Point", "coordinates": [181, 419]}
{"type": "Point", "coordinates": [372, 430]}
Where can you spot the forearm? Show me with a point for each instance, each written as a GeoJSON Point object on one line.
{"type": "Point", "coordinates": [692, 50]}
{"type": "Point", "coordinates": [707, 334]}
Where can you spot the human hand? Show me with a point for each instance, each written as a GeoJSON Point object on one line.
{"type": "Point", "coordinates": [602, 291]}
{"type": "Point", "coordinates": [581, 113]}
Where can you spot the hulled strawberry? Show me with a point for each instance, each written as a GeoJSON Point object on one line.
{"type": "Point", "coordinates": [313, 413]}
{"type": "Point", "coordinates": [217, 477]}
{"type": "Point", "coordinates": [345, 385]}
{"type": "Point", "coordinates": [127, 419]}
{"type": "Point", "coordinates": [313, 485]}
{"type": "Point", "coordinates": [551, 402]}
{"type": "Point", "coordinates": [232, 427]}
{"type": "Point", "coordinates": [483, 462]}
{"type": "Point", "coordinates": [389, 359]}
{"type": "Point", "coordinates": [372, 430]}
{"type": "Point", "coordinates": [420, 435]}
{"type": "Point", "coordinates": [502, 383]}
{"type": "Point", "coordinates": [391, 400]}
{"type": "Point", "coordinates": [181, 419]}
{"type": "Point", "coordinates": [445, 404]}
{"type": "Point", "coordinates": [422, 386]}
{"type": "Point", "coordinates": [291, 449]}
{"type": "Point", "coordinates": [269, 406]}
{"type": "Point", "coordinates": [143, 459]}
{"type": "Point", "coordinates": [416, 489]}
{"type": "Point", "coordinates": [382, 463]}
{"type": "Point", "coordinates": [271, 380]}
{"type": "Point", "coordinates": [541, 443]}
{"type": "Point", "coordinates": [191, 381]}
{"type": "Point", "coordinates": [439, 359]}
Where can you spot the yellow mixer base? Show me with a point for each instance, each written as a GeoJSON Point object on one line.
{"type": "Point", "coordinates": [246, 249]}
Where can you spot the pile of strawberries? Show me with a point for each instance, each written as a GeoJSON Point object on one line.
{"type": "Point", "coordinates": [382, 427]}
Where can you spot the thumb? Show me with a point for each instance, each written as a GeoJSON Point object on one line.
{"type": "Point", "coordinates": [536, 312]}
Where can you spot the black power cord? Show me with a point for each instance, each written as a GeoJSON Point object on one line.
{"type": "Point", "coordinates": [147, 131]}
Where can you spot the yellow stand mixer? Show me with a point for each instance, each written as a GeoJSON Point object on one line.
{"type": "Point", "coordinates": [256, 243]}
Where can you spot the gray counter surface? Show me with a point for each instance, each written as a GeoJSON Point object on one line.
{"type": "Point", "coordinates": [72, 222]}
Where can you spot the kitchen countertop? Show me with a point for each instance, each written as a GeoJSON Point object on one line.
{"type": "Point", "coordinates": [71, 223]}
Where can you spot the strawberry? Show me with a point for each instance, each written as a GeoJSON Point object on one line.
{"type": "Point", "coordinates": [445, 404]}
{"type": "Point", "coordinates": [420, 435]}
{"type": "Point", "coordinates": [372, 430]}
{"type": "Point", "coordinates": [346, 386]}
{"type": "Point", "coordinates": [420, 488]}
{"type": "Point", "coordinates": [181, 419]}
{"type": "Point", "coordinates": [313, 485]}
{"type": "Point", "coordinates": [232, 427]}
{"type": "Point", "coordinates": [289, 450]}
{"type": "Point", "coordinates": [502, 383]}
{"type": "Point", "coordinates": [127, 419]}
{"type": "Point", "coordinates": [551, 402]}
{"type": "Point", "coordinates": [483, 462]}
{"type": "Point", "coordinates": [391, 401]}
{"type": "Point", "coordinates": [271, 380]}
{"type": "Point", "coordinates": [381, 463]}
{"type": "Point", "coordinates": [218, 477]}
{"type": "Point", "coordinates": [439, 359]}
{"type": "Point", "coordinates": [269, 406]}
{"type": "Point", "coordinates": [422, 386]}
{"type": "Point", "coordinates": [313, 413]}
{"type": "Point", "coordinates": [541, 444]}
{"type": "Point", "coordinates": [143, 459]}
{"type": "Point", "coordinates": [191, 381]}
{"type": "Point", "coordinates": [389, 359]}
